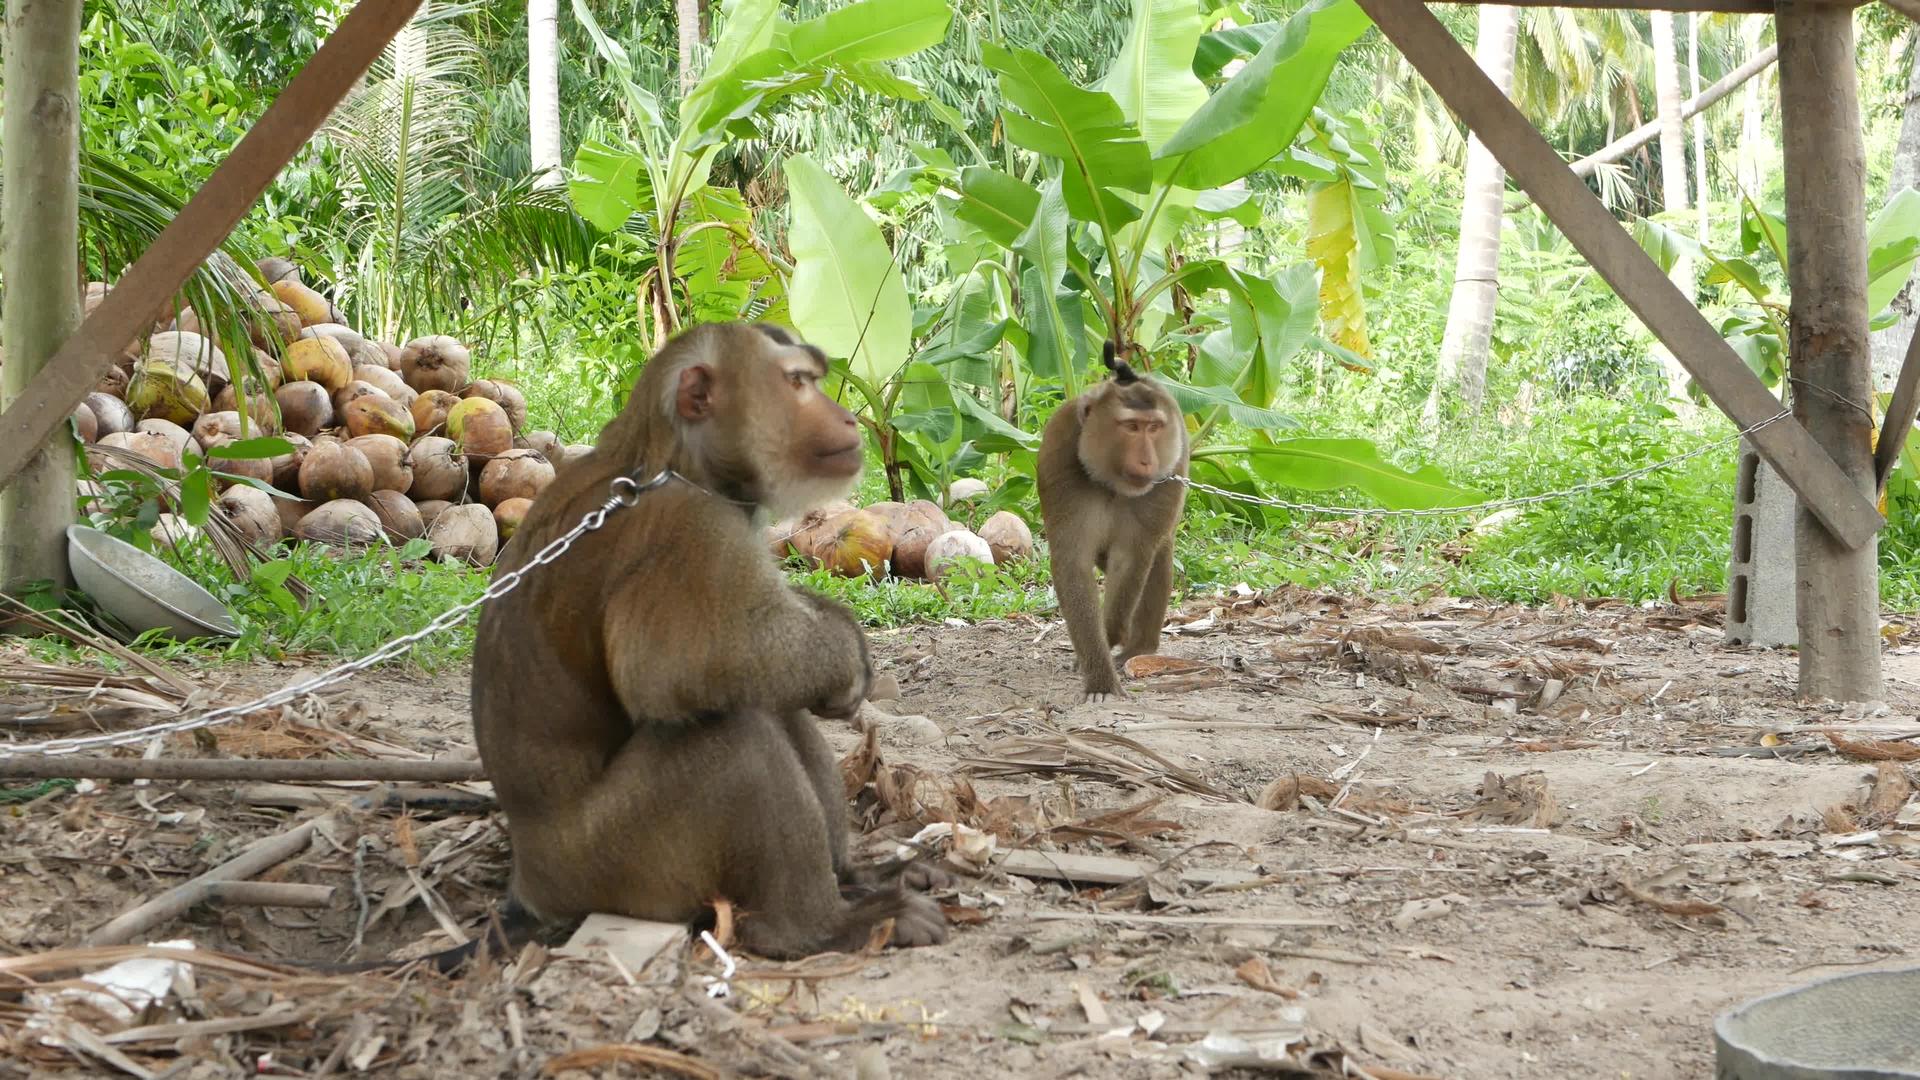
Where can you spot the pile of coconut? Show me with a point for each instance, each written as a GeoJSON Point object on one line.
{"type": "Point", "coordinates": [915, 541]}
{"type": "Point", "coordinates": [390, 442]}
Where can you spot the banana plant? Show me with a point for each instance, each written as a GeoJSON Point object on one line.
{"type": "Point", "coordinates": [707, 262]}
{"type": "Point", "coordinates": [1756, 324]}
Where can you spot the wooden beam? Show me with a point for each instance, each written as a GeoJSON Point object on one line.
{"type": "Point", "coordinates": [1898, 424]}
{"type": "Point", "coordinates": [1836, 584]}
{"type": "Point", "coordinates": [1803, 463]}
{"type": "Point", "coordinates": [127, 312]}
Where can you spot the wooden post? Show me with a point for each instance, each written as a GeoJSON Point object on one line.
{"type": "Point", "coordinates": [1837, 589]}
{"type": "Point", "coordinates": [40, 263]}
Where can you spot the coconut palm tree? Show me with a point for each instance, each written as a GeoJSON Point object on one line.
{"type": "Point", "coordinates": [543, 91]}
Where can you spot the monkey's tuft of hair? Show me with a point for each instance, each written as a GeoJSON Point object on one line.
{"type": "Point", "coordinates": [1122, 371]}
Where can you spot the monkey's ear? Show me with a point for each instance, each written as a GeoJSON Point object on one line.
{"type": "Point", "coordinates": [694, 398]}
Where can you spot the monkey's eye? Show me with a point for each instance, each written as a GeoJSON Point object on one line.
{"type": "Point", "coordinates": [801, 379]}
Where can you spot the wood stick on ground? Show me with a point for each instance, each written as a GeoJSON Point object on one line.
{"type": "Point", "coordinates": [41, 767]}
{"type": "Point", "coordinates": [270, 894]}
{"type": "Point", "coordinates": [271, 851]}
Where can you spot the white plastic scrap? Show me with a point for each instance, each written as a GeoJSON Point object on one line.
{"type": "Point", "coordinates": [126, 991]}
{"type": "Point", "coordinates": [967, 844]}
{"type": "Point", "coordinates": [717, 987]}
{"type": "Point", "coordinates": [1220, 1050]}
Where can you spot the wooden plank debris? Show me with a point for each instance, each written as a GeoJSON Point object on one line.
{"type": "Point", "coordinates": [1106, 869]}
{"type": "Point", "coordinates": [1807, 468]}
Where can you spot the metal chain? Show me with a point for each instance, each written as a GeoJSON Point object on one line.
{"type": "Point", "coordinates": [626, 492]}
{"type": "Point", "coordinates": [1494, 504]}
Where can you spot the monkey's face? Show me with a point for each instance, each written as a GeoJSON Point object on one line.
{"type": "Point", "coordinates": [756, 414]}
{"type": "Point", "coordinates": [1129, 442]}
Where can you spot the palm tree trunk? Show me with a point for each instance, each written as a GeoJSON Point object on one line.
{"type": "Point", "coordinates": [689, 14]}
{"type": "Point", "coordinates": [1476, 274]}
{"type": "Point", "coordinates": [1751, 129]}
{"type": "Point", "coordinates": [40, 262]}
{"type": "Point", "coordinates": [1699, 124]}
{"type": "Point", "coordinates": [1673, 168]}
{"type": "Point", "coordinates": [1889, 346]}
{"type": "Point", "coordinates": [543, 90]}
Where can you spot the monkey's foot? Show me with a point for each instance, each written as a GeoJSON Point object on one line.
{"type": "Point", "coordinates": [920, 922]}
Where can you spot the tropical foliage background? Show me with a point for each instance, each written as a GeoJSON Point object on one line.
{"type": "Point", "coordinates": [960, 199]}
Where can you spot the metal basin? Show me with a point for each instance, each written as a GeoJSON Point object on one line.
{"type": "Point", "coordinates": [142, 591]}
{"type": "Point", "coordinates": [1860, 1026]}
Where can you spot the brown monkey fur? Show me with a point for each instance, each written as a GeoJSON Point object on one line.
{"type": "Point", "coordinates": [641, 704]}
{"type": "Point", "coordinates": [1104, 460]}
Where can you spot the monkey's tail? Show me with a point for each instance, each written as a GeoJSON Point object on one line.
{"type": "Point", "coordinates": [1122, 371]}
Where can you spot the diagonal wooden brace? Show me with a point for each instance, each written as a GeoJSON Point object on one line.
{"type": "Point", "coordinates": [201, 226]}
{"type": "Point", "coordinates": [1808, 469]}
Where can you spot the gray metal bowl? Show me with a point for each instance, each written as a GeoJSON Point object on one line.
{"type": "Point", "coordinates": [142, 591]}
{"type": "Point", "coordinates": [1860, 1026]}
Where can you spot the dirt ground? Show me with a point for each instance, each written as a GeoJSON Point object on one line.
{"type": "Point", "coordinates": [1453, 840]}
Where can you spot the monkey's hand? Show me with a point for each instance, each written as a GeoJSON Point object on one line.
{"type": "Point", "coordinates": [834, 616]}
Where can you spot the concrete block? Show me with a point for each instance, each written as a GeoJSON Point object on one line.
{"type": "Point", "coordinates": [1760, 574]}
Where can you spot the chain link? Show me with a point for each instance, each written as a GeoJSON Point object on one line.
{"type": "Point", "coordinates": [626, 492]}
{"type": "Point", "coordinates": [1482, 507]}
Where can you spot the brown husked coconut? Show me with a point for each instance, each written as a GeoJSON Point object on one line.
{"type": "Point", "coordinates": [216, 427]}
{"type": "Point", "coordinates": [309, 305]}
{"type": "Point", "coordinates": [398, 515]}
{"type": "Point", "coordinates": [110, 414]}
{"type": "Point", "coordinates": [508, 516]}
{"type": "Point", "coordinates": [548, 444]}
{"type": "Point", "coordinates": [286, 467]}
{"type": "Point", "coordinates": [171, 532]}
{"type": "Point", "coordinates": [342, 523]}
{"type": "Point", "coordinates": [261, 415]}
{"type": "Point", "coordinates": [353, 389]}
{"type": "Point", "coordinates": [291, 512]}
{"type": "Point", "coordinates": [320, 360]}
{"type": "Point", "coordinates": [156, 448]}
{"type": "Point", "coordinates": [947, 549]}
{"type": "Point", "coordinates": [276, 326]}
{"type": "Point", "coordinates": [799, 535]}
{"type": "Point", "coordinates": [274, 268]}
{"type": "Point", "coordinates": [465, 533]}
{"type": "Point", "coordinates": [437, 362]}
{"type": "Point", "coordinates": [194, 352]}
{"type": "Point", "coordinates": [333, 470]}
{"type": "Point", "coordinates": [481, 427]}
{"type": "Point", "coordinates": [113, 381]}
{"type": "Point", "coordinates": [180, 437]}
{"type": "Point", "coordinates": [573, 452]}
{"type": "Point", "coordinates": [430, 509]}
{"type": "Point", "coordinates": [924, 521]}
{"type": "Point", "coordinates": [162, 389]}
{"type": "Point", "coordinates": [504, 394]}
{"type": "Point", "coordinates": [234, 472]}
{"type": "Point", "coordinates": [252, 512]}
{"type": "Point", "coordinates": [305, 407]}
{"type": "Point", "coordinates": [430, 411]}
{"type": "Point", "coordinates": [965, 489]}
{"type": "Point", "coordinates": [853, 544]}
{"type": "Point", "coordinates": [516, 474]}
{"type": "Point", "coordinates": [377, 414]}
{"type": "Point", "coordinates": [269, 372]}
{"type": "Point", "coordinates": [349, 339]}
{"type": "Point", "coordinates": [392, 464]}
{"type": "Point", "coordinates": [1008, 536]}
{"type": "Point", "coordinates": [84, 424]}
{"type": "Point", "coordinates": [439, 469]}
{"type": "Point", "coordinates": [389, 383]}
{"type": "Point", "coordinates": [393, 353]}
